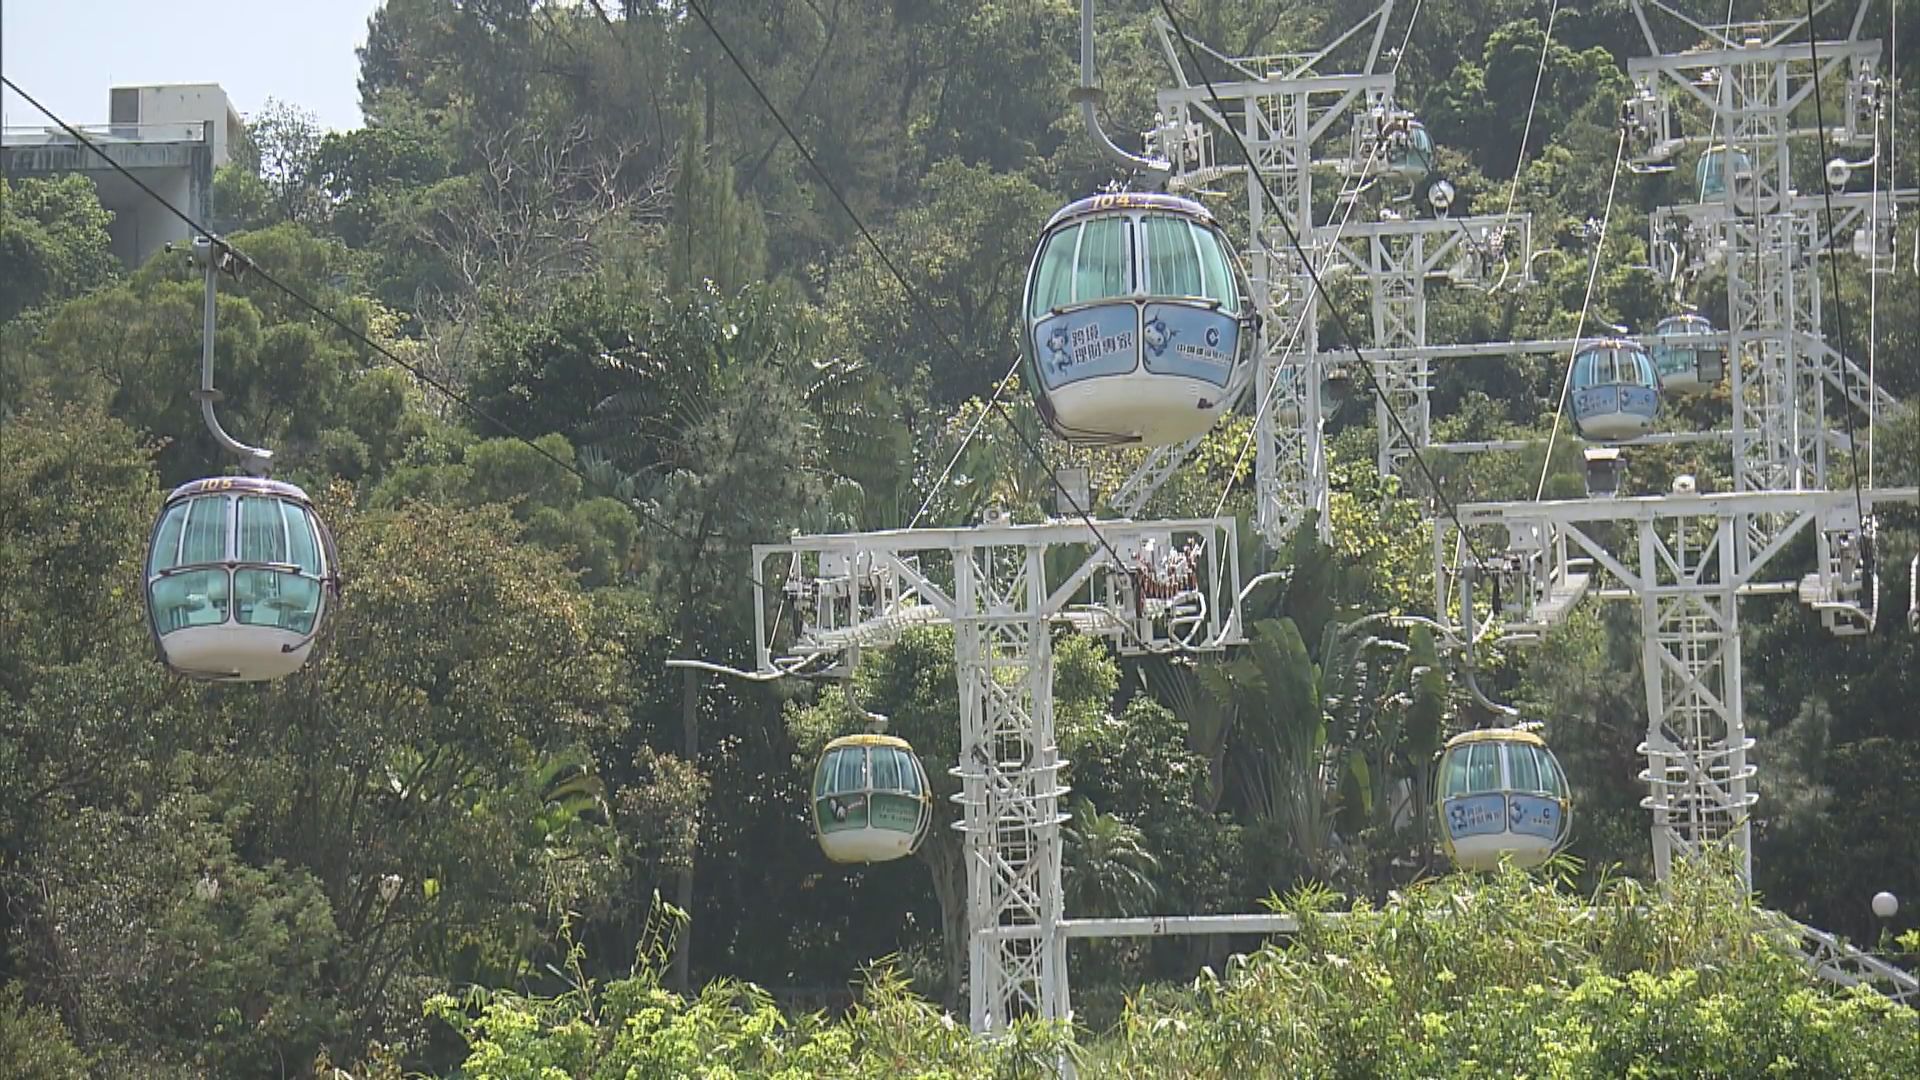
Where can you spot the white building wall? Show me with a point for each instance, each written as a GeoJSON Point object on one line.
{"type": "Point", "coordinates": [193, 103]}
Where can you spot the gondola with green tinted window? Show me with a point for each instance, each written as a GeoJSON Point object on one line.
{"type": "Point", "coordinates": [871, 799]}
{"type": "Point", "coordinates": [1139, 325]}
{"type": "Point", "coordinates": [241, 574]}
{"type": "Point", "coordinates": [240, 579]}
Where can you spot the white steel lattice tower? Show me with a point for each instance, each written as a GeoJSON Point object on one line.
{"type": "Point", "coordinates": [1397, 259]}
{"type": "Point", "coordinates": [1696, 746]}
{"type": "Point", "coordinates": [1677, 557]}
{"type": "Point", "coordinates": [1147, 587]}
{"type": "Point", "coordinates": [1281, 107]}
{"type": "Point", "coordinates": [1398, 268]}
{"type": "Point", "coordinates": [1293, 115]}
{"type": "Point", "coordinates": [1754, 84]}
{"type": "Point", "coordinates": [1009, 770]}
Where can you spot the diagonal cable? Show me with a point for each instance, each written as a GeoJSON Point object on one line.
{"type": "Point", "coordinates": [1339, 319]}
{"type": "Point", "coordinates": [1580, 327]}
{"type": "Point", "coordinates": [332, 319]}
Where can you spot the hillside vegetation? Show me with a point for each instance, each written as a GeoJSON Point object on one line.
{"type": "Point", "coordinates": [602, 329]}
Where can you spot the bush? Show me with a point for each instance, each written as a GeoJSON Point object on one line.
{"type": "Point", "coordinates": [1513, 975]}
{"type": "Point", "coordinates": [1517, 976]}
{"type": "Point", "coordinates": [33, 1042]}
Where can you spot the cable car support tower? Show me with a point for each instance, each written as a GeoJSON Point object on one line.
{"type": "Point", "coordinates": [1295, 114]}
{"type": "Point", "coordinates": [1166, 586]}
{"type": "Point", "coordinates": [1688, 558]}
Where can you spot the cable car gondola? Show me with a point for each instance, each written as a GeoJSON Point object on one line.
{"type": "Point", "coordinates": [1616, 392]}
{"type": "Point", "coordinates": [1139, 326]}
{"type": "Point", "coordinates": [1712, 175]}
{"type": "Point", "coordinates": [1409, 150]}
{"type": "Point", "coordinates": [1502, 794]}
{"type": "Point", "coordinates": [240, 577]}
{"type": "Point", "coordinates": [1685, 359]}
{"type": "Point", "coordinates": [871, 799]}
{"type": "Point", "coordinates": [241, 572]}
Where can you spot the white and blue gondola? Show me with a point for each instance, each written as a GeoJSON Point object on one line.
{"type": "Point", "coordinates": [1615, 392]}
{"type": "Point", "coordinates": [1502, 796]}
{"type": "Point", "coordinates": [1687, 355]}
{"type": "Point", "coordinates": [1139, 327]}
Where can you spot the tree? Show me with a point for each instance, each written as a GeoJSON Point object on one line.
{"type": "Point", "coordinates": [53, 238]}
{"type": "Point", "coordinates": [539, 209]}
{"type": "Point", "coordinates": [419, 770]}
{"type": "Point", "coordinates": [965, 252]}
{"type": "Point", "coordinates": [713, 235]}
{"type": "Point", "coordinates": [274, 175]}
{"type": "Point", "coordinates": [54, 234]}
{"type": "Point", "coordinates": [78, 690]}
{"type": "Point", "coordinates": [595, 533]}
{"type": "Point", "coordinates": [106, 836]}
{"type": "Point", "coordinates": [604, 368]}
{"type": "Point", "coordinates": [367, 172]}
{"type": "Point", "coordinates": [291, 381]}
{"type": "Point", "coordinates": [1688, 978]}
{"type": "Point", "coordinates": [1109, 870]}
{"type": "Point", "coordinates": [33, 1043]}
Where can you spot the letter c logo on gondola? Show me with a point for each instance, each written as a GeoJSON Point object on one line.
{"type": "Point", "coordinates": [1213, 336]}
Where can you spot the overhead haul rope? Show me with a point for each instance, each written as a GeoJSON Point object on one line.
{"type": "Point", "coordinates": [334, 320]}
{"type": "Point", "coordinates": [913, 295]}
{"type": "Point", "coordinates": [1580, 327]}
{"type": "Point", "coordinates": [1833, 263]}
{"type": "Point", "coordinates": [1340, 322]}
{"type": "Point", "coordinates": [1352, 199]}
{"type": "Point", "coordinates": [1539, 76]}
{"type": "Point", "coordinates": [933, 492]}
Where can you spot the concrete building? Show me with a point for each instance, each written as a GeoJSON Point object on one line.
{"type": "Point", "coordinates": [172, 137]}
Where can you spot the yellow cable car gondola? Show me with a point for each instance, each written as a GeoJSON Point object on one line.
{"type": "Point", "coordinates": [871, 799]}
{"type": "Point", "coordinates": [1501, 794]}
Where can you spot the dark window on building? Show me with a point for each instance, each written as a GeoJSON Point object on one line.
{"type": "Point", "coordinates": [125, 107]}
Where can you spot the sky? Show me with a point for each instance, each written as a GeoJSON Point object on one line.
{"type": "Point", "coordinates": [68, 53]}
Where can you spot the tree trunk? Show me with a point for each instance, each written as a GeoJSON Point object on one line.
{"type": "Point", "coordinates": [945, 856]}
{"type": "Point", "coordinates": [683, 889]}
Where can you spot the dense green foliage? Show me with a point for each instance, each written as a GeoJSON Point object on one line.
{"type": "Point", "coordinates": [1512, 977]}
{"type": "Point", "coordinates": [650, 338]}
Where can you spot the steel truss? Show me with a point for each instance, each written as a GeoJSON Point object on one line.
{"type": "Point", "coordinates": [1397, 259]}
{"type": "Point", "coordinates": [1146, 587]}
{"type": "Point", "coordinates": [1280, 116]}
{"type": "Point", "coordinates": [1679, 557]}
{"type": "Point", "coordinates": [1293, 116]}
{"type": "Point", "coordinates": [1683, 559]}
{"type": "Point", "coordinates": [1756, 83]}
{"type": "Point", "coordinates": [1166, 586]}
